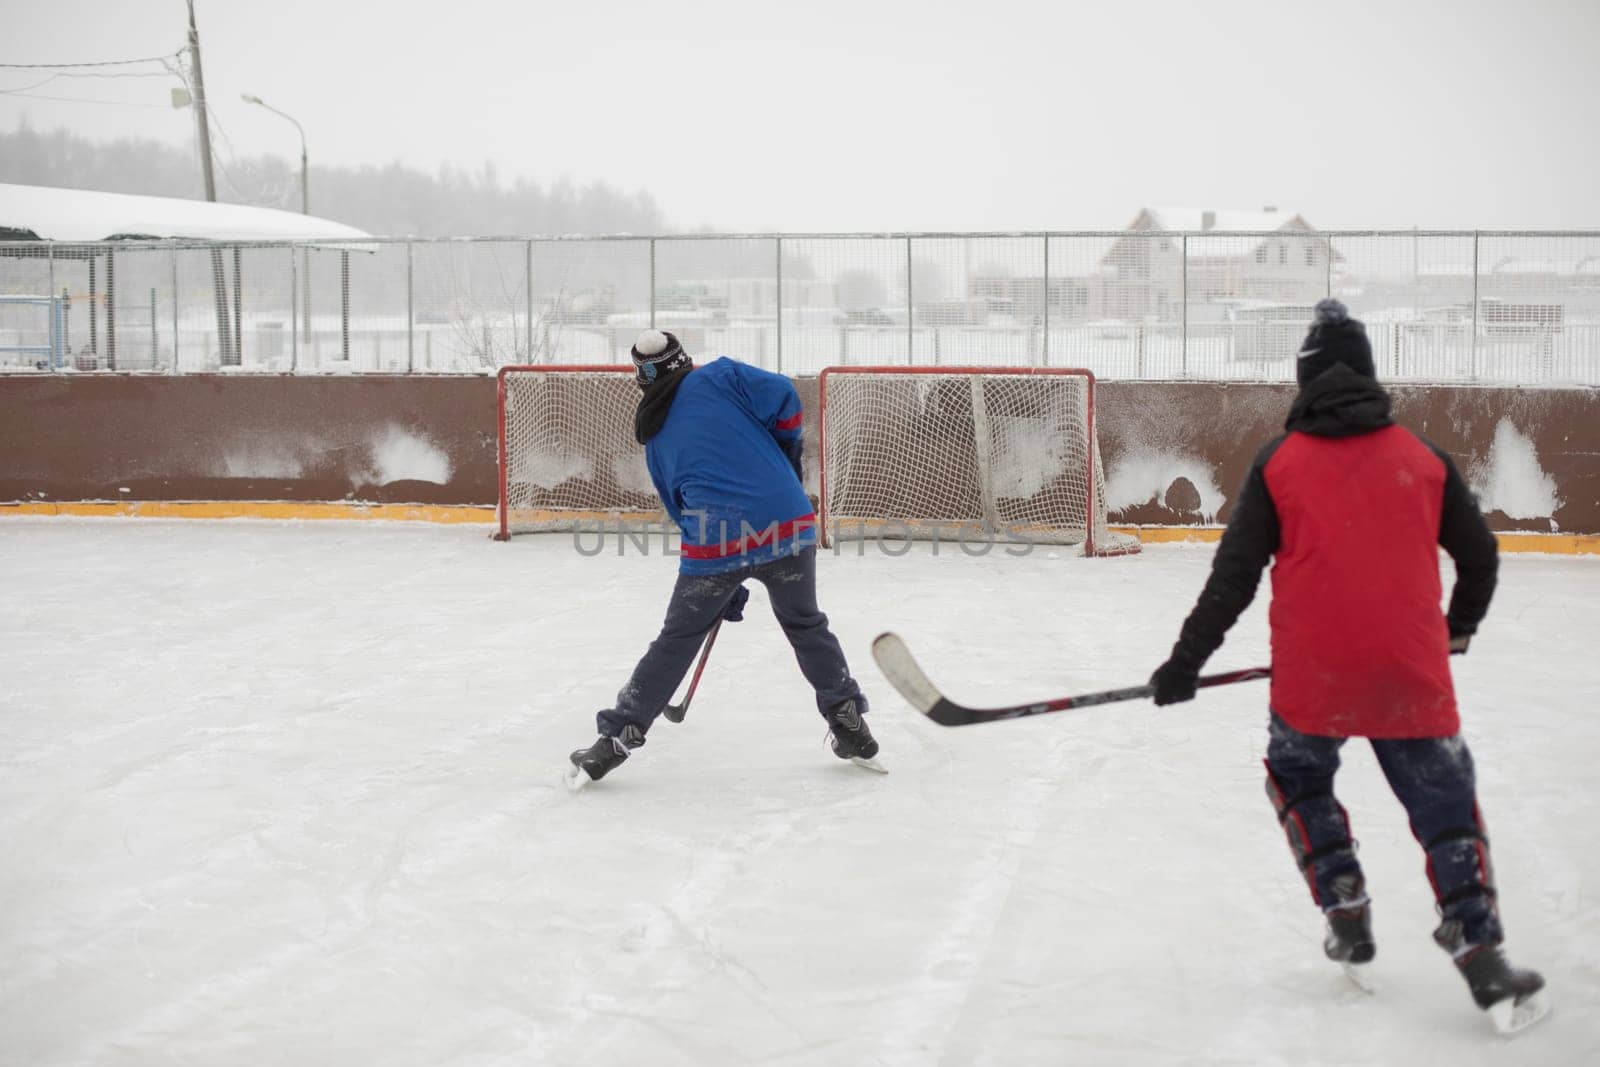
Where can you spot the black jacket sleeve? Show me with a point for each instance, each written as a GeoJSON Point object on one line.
{"type": "Point", "coordinates": [1245, 550]}
{"type": "Point", "coordinates": [1466, 536]}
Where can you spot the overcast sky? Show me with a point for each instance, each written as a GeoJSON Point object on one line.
{"type": "Point", "coordinates": [868, 115]}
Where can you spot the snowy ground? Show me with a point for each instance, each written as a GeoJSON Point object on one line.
{"type": "Point", "coordinates": [288, 794]}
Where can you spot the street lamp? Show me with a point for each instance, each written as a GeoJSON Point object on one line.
{"type": "Point", "coordinates": [305, 185]}
{"type": "Point", "coordinates": [305, 209]}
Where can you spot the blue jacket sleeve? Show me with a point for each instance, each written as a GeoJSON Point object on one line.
{"type": "Point", "coordinates": [776, 405]}
{"type": "Point", "coordinates": [773, 401]}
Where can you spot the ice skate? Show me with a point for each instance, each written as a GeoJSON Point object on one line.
{"type": "Point", "coordinates": [1514, 999]}
{"type": "Point", "coordinates": [851, 738]}
{"type": "Point", "coordinates": [1349, 940]}
{"type": "Point", "coordinates": [601, 758]}
{"type": "Point", "coordinates": [1349, 943]}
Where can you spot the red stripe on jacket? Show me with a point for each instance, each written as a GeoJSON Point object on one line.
{"type": "Point", "coordinates": [793, 422]}
{"type": "Point", "coordinates": [741, 545]}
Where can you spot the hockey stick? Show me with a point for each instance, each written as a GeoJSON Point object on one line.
{"type": "Point", "coordinates": [676, 712]}
{"type": "Point", "coordinates": [898, 665]}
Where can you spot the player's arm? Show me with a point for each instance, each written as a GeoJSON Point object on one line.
{"type": "Point", "coordinates": [1472, 545]}
{"type": "Point", "coordinates": [1245, 550]}
{"type": "Point", "coordinates": [776, 405]}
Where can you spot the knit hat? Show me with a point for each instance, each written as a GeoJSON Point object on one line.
{"type": "Point", "coordinates": [657, 354]}
{"type": "Point", "coordinates": [1334, 338]}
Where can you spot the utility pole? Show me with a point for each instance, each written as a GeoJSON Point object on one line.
{"type": "Point", "coordinates": [203, 124]}
{"type": "Point", "coordinates": [219, 279]}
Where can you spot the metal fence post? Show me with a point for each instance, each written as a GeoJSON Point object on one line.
{"type": "Point", "coordinates": [238, 307]}
{"type": "Point", "coordinates": [1472, 351]}
{"type": "Point", "coordinates": [652, 283]}
{"type": "Point", "coordinates": [527, 281]}
{"type": "Point", "coordinates": [778, 306]}
{"type": "Point", "coordinates": [1044, 358]}
{"type": "Point", "coordinates": [1183, 291]}
{"type": "Point", "coordinates": [176, 346]}
{"type": "Point", "coordinates": [411, 317]}
{"type": "Point", "coordinates": [911, 336]}
{"type": "Point", "coordinates": [344, 305]}
{"type": "Point", "coordinates": [52, 337]}
{"type": "Point", "coordinates": [111, 309]}
{"type": "Point", "coordinates": [305, 296]}
{"type": "Point", "coordinates": [294, 313]}
{"type": "Point", "coordinates": [1327, 287]}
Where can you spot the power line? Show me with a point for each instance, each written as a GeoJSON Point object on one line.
{"type": "Point", "coordinates": [84, 100]}
{"type": "Point", "coordinates": [35, 85]}
{"type": "Point", "coordinates": [106, 63]}
{"type": "Point", "coordinates": [53, 77]}
{"type": "Point", "coordinates": [131, 74]}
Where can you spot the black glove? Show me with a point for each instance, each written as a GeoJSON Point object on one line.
{"type": "Point", "coordinates": [735, 609]}
{"type": "Point", "coordinates": [1174, 682]}
{"type": "Point", "coordinates": [1460, 638]}
{"type": "Point", "coordinates": [796, 451]}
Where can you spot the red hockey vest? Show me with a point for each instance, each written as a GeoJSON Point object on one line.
{"type": "Point", "coordinates": [1360, 646]}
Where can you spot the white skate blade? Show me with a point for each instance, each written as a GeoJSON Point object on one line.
{"type": "Point", "coordinates": [1511, 1017]}
{"type": "Point", "coordinates": [1361, 976]}
{"type": "Point", "coordinates": [575, 778]}
{"type": "Point", "coordinates": [869, 764]}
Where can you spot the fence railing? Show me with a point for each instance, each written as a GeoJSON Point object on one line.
{"type": "Point", "coordinates": [1457, 306]}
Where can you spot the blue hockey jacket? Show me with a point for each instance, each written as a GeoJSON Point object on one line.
{"type": "Point", "coordinates": [720, 464]}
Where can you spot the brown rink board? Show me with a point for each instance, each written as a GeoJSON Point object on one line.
{"type": "Point", "coordinates": [430, 440]}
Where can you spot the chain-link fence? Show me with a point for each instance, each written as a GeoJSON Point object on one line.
{"type": "Point", "coordinates": [1464, 306]}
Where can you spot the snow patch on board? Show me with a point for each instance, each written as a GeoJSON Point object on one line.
{"type": "Point", "coordinates": [1144, 475]}
{"type": "Point", "coordinates": [1509, 480]}
{"type": "Point", "coordinates": [399, 456]}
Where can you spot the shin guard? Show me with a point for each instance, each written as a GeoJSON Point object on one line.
{"type": "Point", "coordinates": [1462, 877]}
{"type": "Point", "coordinates": [1318, 831]}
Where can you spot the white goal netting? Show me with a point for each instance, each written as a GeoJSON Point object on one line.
{"type": "Point", "coordinates": [963, 454]}
{"type": "Point", "coordinates": [957, 454]}
{"type": "Point", "coordinates": [568, 459]}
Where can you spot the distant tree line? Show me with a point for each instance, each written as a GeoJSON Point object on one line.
{"type": "Point", "coordinates": [394, 200]}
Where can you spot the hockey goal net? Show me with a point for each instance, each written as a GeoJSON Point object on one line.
{"type": "Point", "coordinates": [964, 454]}
{"type": "Point", "coordinates": [568, 459]}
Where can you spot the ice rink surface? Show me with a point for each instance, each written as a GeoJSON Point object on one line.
{"type": "Point", "coordinates": [288, 794]}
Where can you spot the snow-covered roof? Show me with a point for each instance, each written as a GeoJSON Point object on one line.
{"type": "Point", "coordinates": [83, 215]}
{"type": "Point", "coordinates": [1193, 218]}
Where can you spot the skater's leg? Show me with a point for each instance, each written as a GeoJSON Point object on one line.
{"type": "Point", "coordinates": [697, 602]}
{"type": "Point", "coordinates": [1300, 772]}
{"type": "Point", "coordinates": [791, 583]}
{"type": "Point", "coordinates": [1434, 778]}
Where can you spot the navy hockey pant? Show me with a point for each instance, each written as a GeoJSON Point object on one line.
{"type": "Point", "coordinates": [698, 601]}
{"type": "Point", "coordinates": [1432, 777]}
